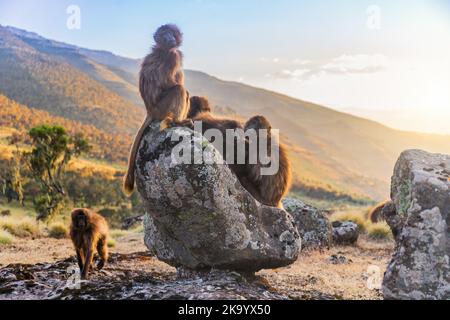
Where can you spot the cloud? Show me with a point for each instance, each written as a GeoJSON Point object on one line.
{"type": "Point", "coordinates": [269, 60]}
{"type": "Point", "coordinates": [301, 62]}
{"type": "Point", "coordinates": [360, 63]}
{"type": "Point", "coordinates": [291, 74]}
{"type": "Point", "coordinates": [342, 65]}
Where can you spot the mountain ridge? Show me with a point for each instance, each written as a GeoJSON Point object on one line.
{"type": "Point", "coordinates": [329, 148]}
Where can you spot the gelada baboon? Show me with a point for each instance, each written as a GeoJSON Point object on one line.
{"type": "Point", "coordinates": [199, 105]}
{"type": "Point", "coordinates": [161, 85]}
{"type": "Point", "coordinates": [200, 110]}
{"type": "Point", "coordinates": [267, 189]}
{"type": "Point", "coordinates": [376, 214]}
{"type": "Point", "coordinates": [89, 232]}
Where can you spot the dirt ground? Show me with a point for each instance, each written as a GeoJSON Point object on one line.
{"type": "Point", "coordinates": [337, 273]}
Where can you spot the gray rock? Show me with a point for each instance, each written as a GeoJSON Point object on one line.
{"type": "Point", "coordinates": [345, 232]}
{"type": "Point", "coordinates": [125, 278]}
{"type": "Point", "coordinates": [200, 217]}
{"type": "Point", "coordinates": [312, 224]}
{"type": "Point", "coordinates": [421, 193]}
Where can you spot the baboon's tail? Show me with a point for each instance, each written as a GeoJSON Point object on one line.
{"type": "Point", "coordinates": [128, 183]}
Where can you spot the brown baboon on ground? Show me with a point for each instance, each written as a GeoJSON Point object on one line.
{"type": "Point", "coordinates": [89, 232]}
{"type": "Point", "coordinates": [376, 214]}
{"type": "Point", "coordinates": [267, 189]}
{"type": "Point", "coordinates": [161, 85]}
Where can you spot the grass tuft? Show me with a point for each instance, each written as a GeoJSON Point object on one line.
{"type": "Point", "coordinates": [356, 217]}
{"type": "Point", "coordinates": [23, 228]}
{"type": "Point", "coordinates": [6, 238]}
{"type": "Point", "coordinates": [116, 234]}
{"type": "Point", "coordinates": [379, 231]}
{"type": "Point", "coordinates": [58, 230]}
{"type": "Point", "coordinates": [111, 243]}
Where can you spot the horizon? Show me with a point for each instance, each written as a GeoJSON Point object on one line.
{"type": "Point", "coordinates": [388, 63]}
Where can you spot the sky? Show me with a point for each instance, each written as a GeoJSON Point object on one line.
{"type": "Point", "coordinates": [384, 60]}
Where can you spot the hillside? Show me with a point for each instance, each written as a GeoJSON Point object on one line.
{"type": "Point", "coordinates": [109, 147]}
{"type": "Point", "coordinates": [330, 150]}
{"type": "Point", "coordinates": [43, 81]}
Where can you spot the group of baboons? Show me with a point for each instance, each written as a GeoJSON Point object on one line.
{"type": "Point", "coordinates": [167, 101]}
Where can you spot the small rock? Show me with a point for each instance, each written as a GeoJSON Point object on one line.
{"type": "Point", "coordinates": [338, 259]}
{"type": "Point", "coordinates": [345, 232]}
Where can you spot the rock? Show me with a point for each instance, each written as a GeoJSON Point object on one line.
{"type": "Point", "coordinates": [128, 223]}
{"type": "Point", "coordinates": [127, 277]}
{"type": "Point", "coordinates": [338, 259]}
{"type": "Point", "coordinates": [312, 224]}
{"type": "Point", "coordinates": [345, 232]}
{"type": "Point", "coordinates": [421, 193]}
{"type": "Point", "coordinates": [199, 216]}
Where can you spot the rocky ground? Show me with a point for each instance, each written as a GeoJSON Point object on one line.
{"type": "Point", "coordinates": [43, 269]}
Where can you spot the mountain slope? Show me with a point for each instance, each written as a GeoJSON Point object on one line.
{"type": "Point", "coordinates": [109, 147]}
{"type": "Point", "coordinates": [329, 149]}
{"type": "Point", "coordinates": [43, 81]}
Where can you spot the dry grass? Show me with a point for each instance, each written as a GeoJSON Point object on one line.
{"type": "Point", "coordinates": [111, 243]}
{"type": "Point", "coordinates": [379, 231]}
{"type": "Point", "coordinates": [23, 228]}
{"type": "Point", "coordinates": [117, 234]}
{"type": "Point", "coordinates": [6, 238]}
{"type": "Point", "coordinates": [357, 217]}
{"type": "Point", "coordinates": [58, 230]}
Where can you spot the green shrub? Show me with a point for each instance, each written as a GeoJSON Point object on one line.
{"type": "Point", "coordinates": [6, 238]}
{"type": "Point", "coordinates": [58, 230]}
{"type": "Point", "coordinates": [379, 231]}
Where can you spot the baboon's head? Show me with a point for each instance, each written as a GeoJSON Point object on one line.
{"type": "Point", "coordinates": [258, 123]}
{"type": "Point", "coordinates": [80, 218]}
{"type": "Point", "coordinates": [168, 37]}
{"type": "Point", "coordinates": [198, 105]}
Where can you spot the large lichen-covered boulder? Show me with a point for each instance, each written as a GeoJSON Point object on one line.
{"type": "Point", "coordinates": [199, 216]}
{"type": "Point", "coordinates": [312, 224]}
{"type": "Point", "coordinates": [420, 266]}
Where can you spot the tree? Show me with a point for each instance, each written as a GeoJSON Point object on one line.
{"type": "Point", "coordinates": [11, 175]}
{"type": "Point", "coordinates": [52, 151]}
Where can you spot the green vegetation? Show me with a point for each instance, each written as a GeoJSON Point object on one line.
{"type": "Point", "coordinates": [47, 161]}
{"type": "Point", "coordinates": [85, 183]}
{"type": "Point", "coordinates": [5, 238]}
{"type": "Point", "coordinates": [107, 148]}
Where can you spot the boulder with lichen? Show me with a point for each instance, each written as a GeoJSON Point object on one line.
{"type": "Point", "coordinates": [420, 219]}
{"type": "Point", "coordinates": [198, 214]}
{"type": "Point", "coordinates": [312, 224]}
